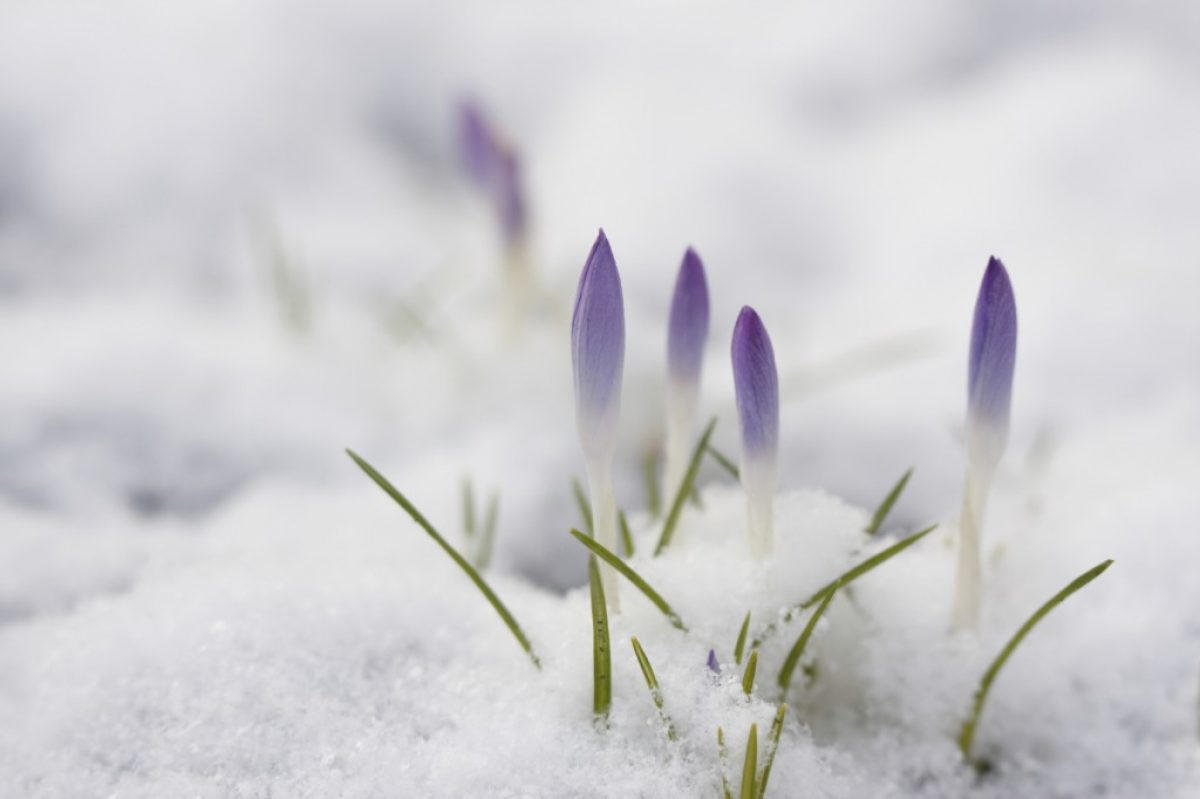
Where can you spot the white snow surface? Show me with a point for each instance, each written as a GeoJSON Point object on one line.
{"type": "Point", "coordinates": [200, 595]}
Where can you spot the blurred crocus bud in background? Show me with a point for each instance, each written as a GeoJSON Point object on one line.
{"type": "Point", "coordinates": [598, 358]}
{"type": "Point", "coordinates": [686, 337]}
{"type": "Point", "coordinates": [756, 383]}
{"type": "Point", "coordinates": [493, 166]}
{"type": "Point", "coordinates": [990, 367]}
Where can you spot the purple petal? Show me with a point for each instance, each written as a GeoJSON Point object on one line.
{"type": "Point", "coordinates": [756, 384]}
{"type": "Point", "coordinates": [688, 329]}
{"type": "Point", "coordinates": [713, 665]}
{"type": "Point", "coordinates": [598, 347]}
{"type": "Point", "coordinates": [477, 143]}
{"type": "Point", "coordinates": [993, 350]}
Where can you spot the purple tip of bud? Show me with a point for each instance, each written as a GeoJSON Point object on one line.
{"type": "Point", "coordinates": [688, 329]}
{"type": "Point", "coordinates": [598, 342]}
{"type": "Point", "coordinates": [477, 143]}
{"type": "Point", "coordinates": [756, 384]}
{"type": "Point", "coordinates": [993, 349]}
{"type": "Point", "coordinates": [713, 665]}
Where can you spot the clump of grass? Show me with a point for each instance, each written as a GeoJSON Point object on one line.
{"type": "Point", "coordinates": [652, 683]}
{"type": "Point", "coordinates": [966, 735]}
{"type": "Point", "coordinates": [454, 554]}
{"type": "Point", "coordinates": [601, 647]}
{"type": "Point", "coordinates": [609, 557]}
{"type": "Point", "coordinates": [885, 507]}
{"type": "Point", "coordinates": [843, 580]}
{"type": "Point", "coordinates": [685, 489]}
{"type": "Point", "coordinates": [797, 650]}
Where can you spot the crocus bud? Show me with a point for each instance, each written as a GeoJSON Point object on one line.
{"type": "Point", "coordinates": [477, 144]}
{"type": "Point", "coordinates": [686, 336]}
{"type": "Point", "coordinates": [598, 357]}
{"type": "Point", "coordinates": [493, 166]}
{"type": "Point", "coordinates": [989, 397]}
{"type": "Point", "coordinates": [990, 367]}
{"type": "Point", "coordinates": [713, 665]}
{"type": "Point", "coordinates": [756, 384]}
{"type": "Point", "coordinates": [510, 199]}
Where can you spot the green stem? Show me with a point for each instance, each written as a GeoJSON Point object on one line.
{"type": "Point", "coordinates": [470, 571]}
{"type": "Point", "coordinates": [772, 748]}
{"type": "Point", "coordinates": [652, 684]}
{"type": "Point", "coordinates": [750, 765]}
{"type": "Point", "coordinates": [601, 647]}
{"type": "Point", "coordinates": [740, 647]}
{"type": "Point", "coordinates": [606, 555]}
{"type": "Point", "coordinates": [885, 507]}
{"type": "Point", "coordinates": [685, 489]}
{"type": "Point", "coordinates": [748, 675]}
{"type": "Point", "coordinates": [793, 657]}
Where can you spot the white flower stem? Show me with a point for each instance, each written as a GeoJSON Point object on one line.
{"type": "Point", "coordinates": [604, 523]}
{"type": "Point", "coordinates": [969, 583]}
{"type": "Point", "coordinates": [758, 481]}
{"type": "Point", "coordinates": [680, 421]}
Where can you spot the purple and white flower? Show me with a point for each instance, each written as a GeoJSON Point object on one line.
{"type": "Point", "coordinates": [756, 384]}
{"type": "Point", "coordinates": [687, 335]}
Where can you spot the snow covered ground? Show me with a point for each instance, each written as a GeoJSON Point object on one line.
{"type": "Point", "coordinates": [202, 596]}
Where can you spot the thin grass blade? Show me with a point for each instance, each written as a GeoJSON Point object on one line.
{"type": "Point", "coordinates": [748, 674]}
{"type": "Point", "coordinates": [685, 489]}
{"type": "Point", "coordinates": [585, 507]}
{"type": "Point", "coordinates": [724, 461]}
{"type": "Point", "coordinates": [629, 574]}
{"type": "Point", "coordinates": [797, 651]}
{"type": "Point", "coordinates": [652, 684]}
{"type": "Point", "coordinates": [750, 765]}
{"type": "Point", "coordinates": [468, 508]}
{"type": "Point", "coordinates": [626, 536]}
{"type": "Point", "coordinates": [601, 646]}
{"type": "Point", "coordinates": [885, 507]}
{"type": "Point", "coordinates": [650, 477]}
{"type": "Point", "coordinates": [966, 736]}
{"type": "Point", "coordinates": [740, 647]}
{"type": "Point", "coordinates": [772, 748]}
{"type": "Point", "coordinates": [723, 759]}
{"type": "Point", "coordinates": [470, 571]}
{"type": "Point", "coordinates": [487, 539]}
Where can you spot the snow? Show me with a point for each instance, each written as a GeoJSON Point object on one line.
{"type": "Point", "coordinates": [202, 596]}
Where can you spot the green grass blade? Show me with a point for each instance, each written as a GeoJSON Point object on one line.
{"type": "Point", "coordinates": [748, 674]}
{"type": "Point", "coordinates": [740, 647]}
{"type": "Point", "coordinates": [750, 765]}
{"type": "Point", "coordinates": [772, 748]}
{"type": "Point", "coordinates": [585, 508]}
{"type": "Point", "coordinates": [601, 646]}
{"type": "Point", "coordinates": [652, 684]}
{"type": "Point", "coordinates": [606, 555]}
{"type": "Point", "coordinates": [626, 536]}
{"type": "Point", "coordinates": [487, 540]}
{"type": "Point", "coordinates": [650, 476]}
{"type": "Point", "coordinates": [470, 571]}
{"type": "Point", "coordinates": [885, 507]}
{"type": "Point", "coordinates": [797, 651]}
{"type": "Point", "coordinates": [685, 489]}
{"type": "Point", "coordinates": [724, 461]}
{"type": "Point", "coordinates": [723, 759]}
{"type": "Point", "coordinates": [967, 735]}
{"type": "Point", "coordinates": [845, 579]}
{"type": "Point", "coordinates": [468, 508]}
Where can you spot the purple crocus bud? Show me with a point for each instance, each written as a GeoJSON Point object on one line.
{"type": "Point", "coordinates": [686, 338]}
{"type": "Point", "coordinates": [598, 349]}
{"type": "Point", "coordinates": [477, 143]}
{"type": "Point", "coordinates": [713, 665]}
{"type": "Point", "coordinates": [990, 368]}
{"type": "Point", "coordinates": [756, 384]}
{"type": "Point", "coordinates": [598, 357]}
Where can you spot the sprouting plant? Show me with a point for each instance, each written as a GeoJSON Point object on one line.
{"type": "Point", "coordinates": [756, 384]}
{"type": "Point", "coordinates": [624, 569]}
{"type": "Point", "coordinates": [462, 562]}
{"type": "Point", "coordinates": [652, 684]}
{"type": "Point", "coordinates": [687, 333]}
{"type": "Point", "coordinates": [598, 358]}
{"type": "Point", "coordinates": [740, 646]}
{"type": "Point", "coordinates": [966, 735]}
{"type": "Point", "coordinates": [750, 766]}
{"type": "Point", "coordinates": [748, 674]}
{"type": "Point", "coordinates": [885, 507]}
{"type": "Point", "coordinates": [989, 399]}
